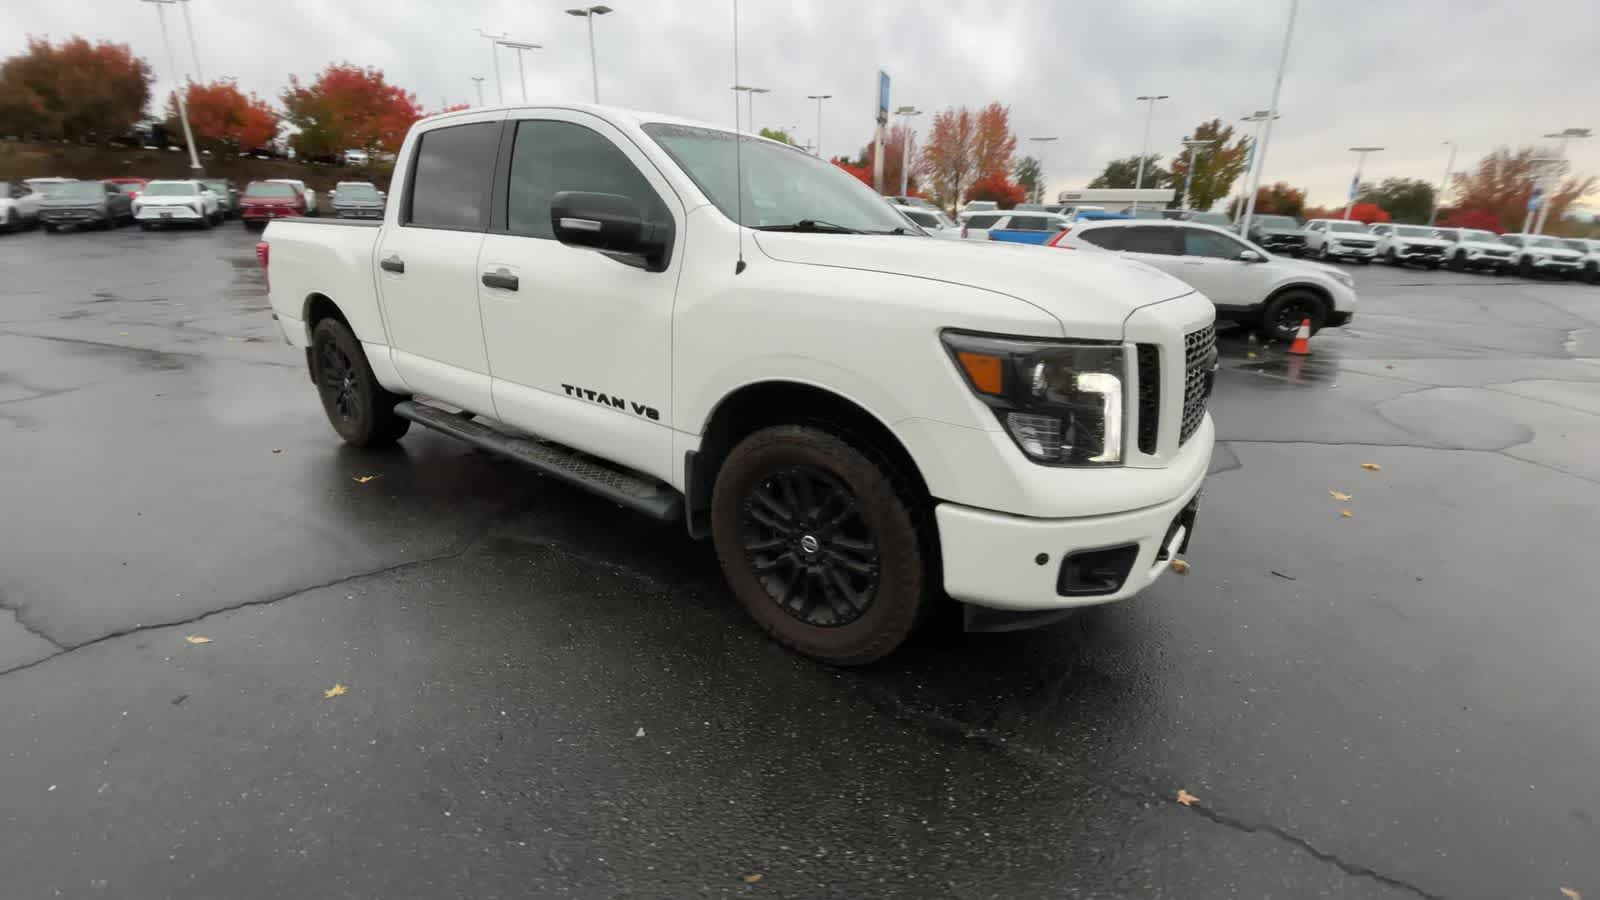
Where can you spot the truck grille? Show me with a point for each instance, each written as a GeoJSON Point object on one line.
{"type": "Point", "coordinates": [1199, 367]}
{"type": "Point", "coordinates": [1427, 250]}
{"type": "Point", "coordinates": [1357, 243]}
{"type": "Point", "coordinates": [1499, 254]}
{"type": "Point", "coordinates": [1149, 358]}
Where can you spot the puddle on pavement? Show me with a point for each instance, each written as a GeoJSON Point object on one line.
{"type": "Point", "coordinates": [1296, 369]}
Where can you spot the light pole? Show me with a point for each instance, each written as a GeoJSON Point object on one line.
{"type": "Point", "coordinates": [1247, 204]}
{"type": "Point", "coordinates": [1188, 177]}
{"type": "Point", "coordinates": [1272, 114]}
{"type": "Point", "coordinates": [819, 98]}
{"type": "Point", "coordinates": [1138, 182]}
{"type": "Point", "coordinates": [1444, 183]}
{"type": "Point", "coordinates": [477, 82]}
{"type": "Point", "coordinates": [494, 57]}
{"type": "Point", "coordinates": [1355, 183]}
{"type": "Point", "coordinates": [194, 49]}
{"type": "Point", "coordinates": [522, 74]}
{"type": "Point", "coordinates": [750, 93]}
{"type": "Point", "coordinates": [1563, 136]}
{"type": "Point", "coordinates": [1544, 165]}
{"type": "Point", "coordinates": [905, 113]}
{"type": "Point", "coordinates": [177, 89]}
{"type": "Point", "coordinates": [1038, 188]}
{"type": "Point", "coordinates": [589, 12]}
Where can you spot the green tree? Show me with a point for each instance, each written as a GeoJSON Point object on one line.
{"type": "Point", "coordinates": [1217, 165]}
{"type": "Point", "coordinates": [1123, 173]}
{"type": "Point", "coordinates": [1030, 175]}
{"type": "Point", "coordinates": [777, 134]}
{"type": "Point", "coordinates": [1407, 200]}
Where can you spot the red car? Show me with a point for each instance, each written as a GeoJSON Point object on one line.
{"type": "Point", "coordinates": [129, 186]}
{"type": "Point", "coordinates": [264, 201]}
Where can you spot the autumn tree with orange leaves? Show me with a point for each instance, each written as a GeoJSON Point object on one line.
{"type": "Point", "coordinates": [221, 116]}
{"type": "Point", "coordinates": [348, 107]}
{"type": "Point", "coordinates": [1503, 181]}
{"type": "Point", "coordinates": [964, 148]}
{"type": "Point", "coordinates": [74, 91]}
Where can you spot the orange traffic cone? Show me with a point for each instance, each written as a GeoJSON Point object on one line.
{"type": "Point", "coordinates": [1302, 339]}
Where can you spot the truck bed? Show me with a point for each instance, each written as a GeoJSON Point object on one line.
{"type": "Point", "coordinates": [328, 257]}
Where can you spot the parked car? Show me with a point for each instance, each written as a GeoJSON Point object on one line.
{"type": "Point", "coordinates": [1278, 234]}
{"type": "Point", "coordinates": [1470, 248]}
{"type": "Point", "coordinates": [188, 202]}
{"type": "Point", "coordinates": [1247, 283]}
{"type": "Point", "coordinates": [1402, 244]}
{"type": "Point", "coordinates": [1538, 254]}
{"type": "Point", "coordinates": [356, 200]}
{"type": "Point", "coordinates": [1205, 217]}
{"type": "Point", "coordinates": [918, 202]}
{"type": "Point", "coordinates": [974, 207]}
{"type": "Point", "coordinates": [227, 195]}
{"type": "Point", "coordinates": [977, 227]}
{"type": "Point", "coordinates": [1340, 239]}
{"type": "Point", "coordinates": [357, 157]}
{"type": "Point", "coordinates": [129, 185]}
{"type": "Point", "coordinates": [19, 205]}
{"type": "Point", "coordinates": [84, 204]}
{"type": "Point", "coordinates": [264, 201]}
{"type": "Point", "coordinates": [1590, 271]}
{"type": "Point", "coordinates": [933, 221]}
{"type": "Point", "coordinates": [309, 194]}
{"type": "Point", "coordinates": [862, 423]}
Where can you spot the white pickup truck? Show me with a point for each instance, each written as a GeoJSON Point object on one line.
{"type": "Point", "coordinates": [863, 420]}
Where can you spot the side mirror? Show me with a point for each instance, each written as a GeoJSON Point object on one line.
{"type": "Point", "coordinates": [1250, 256]}
{"type": "Point", "coordinates": [611, 223]}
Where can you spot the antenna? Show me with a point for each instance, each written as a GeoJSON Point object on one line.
{"type": "Point", "coordinates": [738, 143]}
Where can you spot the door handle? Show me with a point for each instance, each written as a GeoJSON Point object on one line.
{"type": "Point", "coordinates": [393, 263]}
{"type": "Point", "coordinates": [500, 278]}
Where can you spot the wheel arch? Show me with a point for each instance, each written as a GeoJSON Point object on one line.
{"type": "Point", "coordinates": [761, 404]}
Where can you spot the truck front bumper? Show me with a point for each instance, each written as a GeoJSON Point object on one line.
{"type": "Point", "coordinates": [1010, 562]}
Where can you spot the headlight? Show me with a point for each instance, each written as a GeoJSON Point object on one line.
{"type": "Point", "coordinates": [1063, 403]}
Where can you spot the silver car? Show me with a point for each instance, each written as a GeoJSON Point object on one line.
{"type": "Point", "coordinates": [85, 204]}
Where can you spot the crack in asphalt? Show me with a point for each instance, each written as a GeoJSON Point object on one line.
{"type": "Point", "coordinates": [16, 616]}
{"type": "Point", "coordinates": [133, 348]}
{"type": "Point", "coordinates": [950, 728]}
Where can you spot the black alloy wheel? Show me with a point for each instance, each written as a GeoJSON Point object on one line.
{"type": "Point", "coordinates": [357, 406]}
{"type": "Point", "coordinates": [1285, 312]}
{"type": "Point", "coordinates": [810, 547]}
{"type": "Point", "coordinates": [337, 379]}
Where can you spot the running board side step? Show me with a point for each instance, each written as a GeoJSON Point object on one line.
{"type": "Point", "coordinates": [634, 490]}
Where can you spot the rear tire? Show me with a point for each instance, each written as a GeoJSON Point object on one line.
{"type": "Point", "coordinates": [1392, 258]}
{"type": "Point", "coordinates": [359, 408]}
{"type": "Point", "coordinates": [51, 229]}
{"type": "Point", "coordinates": [1458, 263]}
{"type": "Point", "coordinates": [826, 546]}
{"type": "Point", "coordinates": [1281, 319]}
{"type": "Point", "coordinates": [146, 226]}
{"type": "Point", "coordinates": [13, 224]}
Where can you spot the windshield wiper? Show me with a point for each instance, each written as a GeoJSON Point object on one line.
{"type": "Point", "coordinates": [811, 225]}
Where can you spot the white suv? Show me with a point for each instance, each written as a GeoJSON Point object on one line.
{"type": "Point", "coordinates": [1591, 257]}
{"type": "Point", "coordinates": [933, 221]}
{"type": "Point", "coordinates": [1247, 284]}
{"type": "Point", "coordinates": [1401, 244]}
{"type": "Point", "coordinates": [1340, 239]}
{"type": "Point", "coordinates": [977, 226]}
{"type": "Point", "coordinates": [19, 205]}
{"type": "Point", "coordinates": [1537, 254]}
{"type": "Point", "coordinates": [1471, 248]}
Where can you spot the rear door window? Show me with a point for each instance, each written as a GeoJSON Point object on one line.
{"type": "Point", "coordinates": [1151, 239]}
{"type": "Point", "coordinates": [982, 221]}
{"type": "Point", "coordinates": [1109, 238]}
{"type": "Point", "coordinates": [1030, 223]}
{"type": "Point", "coordinates": [451, 177]}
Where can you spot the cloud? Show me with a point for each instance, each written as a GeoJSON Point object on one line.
{"type": "Point", "coordinates": [1406, 76]}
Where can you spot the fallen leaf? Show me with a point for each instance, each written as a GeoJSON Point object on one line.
{"type": "Point", "coordinates": [334, 691]}
{"type": "Point", "coordinates": [1180, 566]}
{"type": "Point", "coordinates": [1371, 467]}
{"type": "Point", "coordinates": [1347, 513]}
{"type": "Point", "coordinates": [1283, 576]}
{"type": "Point", "coordinates": [363, 479]}
{"type": "Point", "coordinates": [1341, 497]}
{"type": "Point", "coordinates": [1571, 894]}
{"type": "Point", "coordinates": [639, 733]}
{"type": "Point", "coordinates": [1186, 798]}
{"type": "Point", "coordinates": [1251, 355]}
{"type": "Point", "coordinates": [122, 334]}
{"type": "Point", "coordinates": [197, 639]}
{"type": "Point", "coordinates": [754, 877]}
{"type": "Point", "coordinates": [1388, 367]}
{"type": "Point", "coordinates": [277, 449]}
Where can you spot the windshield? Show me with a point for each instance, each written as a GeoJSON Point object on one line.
{"type": "Point", "coordinates": [981, 206]}
{"type": "Point", "coordinates": [216, 187]}
{"type": "Point", "coordinates": [358, 192]}
{"type": "Point", "coordinates": [78, 190]}
{"type": "Point", "coordinates": [169, 189]}
{"type": "Point", "coordinates": [1348, 226]}
{"type": "Point", "coordinates": [782, 185]}
{"type": "Point", "coordinates": [1575, 244]}
{"type": "Point", "coordinates": [1481, 237]}
{"type": "Point", "coordinates": [1285, 222]}
{"type": "Point", "coordinates": [269, 189]}
{"type": "Point", "coordinates": [1414, 231]}
{"type": "Point", "coordinates": [1545, 242]}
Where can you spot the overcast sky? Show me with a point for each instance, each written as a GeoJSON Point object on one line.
{"type": "Point", "coordinates": [1404, 75]}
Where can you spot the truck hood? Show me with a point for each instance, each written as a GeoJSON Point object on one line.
{"type": "Point", "coordinates": [1090, 293]}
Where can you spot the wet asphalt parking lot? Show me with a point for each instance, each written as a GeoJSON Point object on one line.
{"type": "Point", "coordinates": [548, 696]}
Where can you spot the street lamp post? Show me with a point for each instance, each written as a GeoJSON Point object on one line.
{"type": "Point", "coordinates": [1038, 188]}
{"type": "Point", "coordinates": [1355, 183]}
{"type": "Point", "coordinates": [905, 113]}
{"type": "Point", "coordinates": [750, 93]}
{"type": "Point", "coordinates": [477, 82]}
{"type": "Point", "coordinates": [1247, 206]}
{"type": "Point", "coordinates": [194, 48]}
{"type": "Point", "coordinates": [522, 74]}
{"type": "Point", "coordinates": [1444, 183]}
{"type": "Point", "coordinates": [494, 57]}
{"type": "Point", "coordinates": [177, 89]}
{"type": "Point", "coordinates": [589, 12]}
{"type": "Point", "coordinates": [1260, 159]}
{"type": "Point", "coordinates": [1188, 177]}
{"type": "Point", "coordinates": [1544, 207]}
{"type": "Point", "coordinates": [819, 98]}
{"type": "Point", "coordinates": [1138, 182]}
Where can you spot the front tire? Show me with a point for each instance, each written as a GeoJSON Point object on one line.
{"type": "Point", "coordinates": [826, 547]}
{"type": "Point", "coordinates": [1284, 313]}
{"type": "Point", "coordinates": [359, 408]}
{"type": "Point", "coordinates": [1525, 267]}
